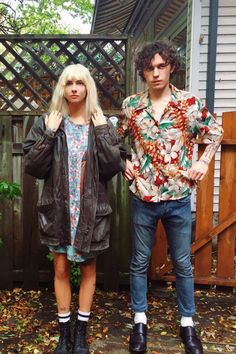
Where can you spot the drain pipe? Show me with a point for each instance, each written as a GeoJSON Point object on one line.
{"type": "Point", "coordinates": [211, 65]}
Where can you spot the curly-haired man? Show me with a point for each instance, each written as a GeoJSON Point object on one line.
{"type": "Point", "coordinates": [163, 123]}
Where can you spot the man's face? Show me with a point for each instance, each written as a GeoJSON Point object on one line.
{"type": "Point", "coordinates": [158, 74]}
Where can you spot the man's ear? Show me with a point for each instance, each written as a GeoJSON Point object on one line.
{"type": "Point", "coordinates": [172, 69]}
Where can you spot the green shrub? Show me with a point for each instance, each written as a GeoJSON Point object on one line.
{"type": "Point", "coordinates": [10, 191]}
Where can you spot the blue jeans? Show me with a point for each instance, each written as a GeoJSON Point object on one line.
{"type": "Point", "coordinates": [177, 220]}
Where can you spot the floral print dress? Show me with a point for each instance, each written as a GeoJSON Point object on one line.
{"type": "Point", "coordinates": [77, 142]}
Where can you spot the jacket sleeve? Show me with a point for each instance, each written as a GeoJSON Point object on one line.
{"type": "Point", "coordinates": [38, 150]}
{"type": "Point", "coordinates": [111, 151]}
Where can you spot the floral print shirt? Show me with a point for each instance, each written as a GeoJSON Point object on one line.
{"type": "Point", "coordinates": [162, 150]}
{"type": "Point", "coordinates": [77, 143]}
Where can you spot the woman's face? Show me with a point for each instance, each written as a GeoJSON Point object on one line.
{"type": "Point", "coordinates": [75, 91]}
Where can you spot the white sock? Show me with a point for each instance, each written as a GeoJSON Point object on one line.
{"type": "Point", "coordinates": [186, 321]}
{"type": "Point", "coordinates": [83, 316]}
{"type": "Point", "coordinates": [63, 317]}
{"type": "Point", "coordinates": [140, 317]}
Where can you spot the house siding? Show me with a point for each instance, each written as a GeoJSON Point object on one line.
{"type": "Point", "coordinates": [225, 83]}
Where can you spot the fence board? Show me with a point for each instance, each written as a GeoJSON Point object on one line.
{"type": "Point", "coordinates": [6, 209]}
{"type": "Point", "coordinates": [226, 240]}
{"type": "Point", "coordinates": [123, 224]}
{"type": "Point", "coordinates": [111, 260]}
{"type": "Point", "coordinates": [204, 219]}
{"type": "Point", "coordinates": [30, 227]}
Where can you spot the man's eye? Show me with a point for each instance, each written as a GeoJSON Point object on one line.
{"type": "Point", "coordinates": [149, 68]}
{"type": "Point", "coordinates": [162, 66]}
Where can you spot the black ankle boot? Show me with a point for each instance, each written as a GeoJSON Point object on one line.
{"type": "Point", "coordinates": [64, 344]}
{"type": "Point", "coordinates": [80, 342]}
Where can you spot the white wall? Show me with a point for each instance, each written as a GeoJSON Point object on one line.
{"type": "Point", "coordinates": [225, 85]}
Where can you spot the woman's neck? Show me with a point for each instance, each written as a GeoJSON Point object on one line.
{"type": "Point", "coordinates": [78, 114]}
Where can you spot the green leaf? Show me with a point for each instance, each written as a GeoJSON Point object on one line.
{"type": "Point", "coordinates": [9, 190]}
{"type": "Point", "coordinates": [42, 16]}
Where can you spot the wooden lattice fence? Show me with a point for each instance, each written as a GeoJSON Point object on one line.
{"type": "Point", "coordinates": [30, 66]}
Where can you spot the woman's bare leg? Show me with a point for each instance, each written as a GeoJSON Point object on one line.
{"type": "Point", "coordinates": [62, 282]}
{"type": "Point", "coordinates": [87, 285]}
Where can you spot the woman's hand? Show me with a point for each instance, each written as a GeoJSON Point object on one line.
{"type": "Point", "coordinates": [53, 120]}
{"type": "Point", "coordinates": [98, 119]}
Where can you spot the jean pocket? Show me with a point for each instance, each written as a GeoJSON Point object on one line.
{"type": "Point", "coordinates": [184, 199]}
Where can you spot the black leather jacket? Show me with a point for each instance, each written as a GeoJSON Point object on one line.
{"type": "Point", "coordinates": [46, 158]}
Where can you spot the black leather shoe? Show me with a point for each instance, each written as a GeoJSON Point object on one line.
{"type": "Point", "coordinates": [64, 343]}
{"type": "Point", "coordinates": [191, 341]}
{"type": "Point", "coordinates": [138, 338]}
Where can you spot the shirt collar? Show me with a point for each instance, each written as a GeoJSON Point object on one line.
{"type": "Point", "coordinates": [145, 102]}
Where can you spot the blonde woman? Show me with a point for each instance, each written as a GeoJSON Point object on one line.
{"type": "Point", "coordinates": [75, 149]}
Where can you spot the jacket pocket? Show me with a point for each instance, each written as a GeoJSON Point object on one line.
{"type": "Point", "coordinates": [101, 232]}
{"type": "Point", "coordinates": [103, 209]}
{"type": "Point", "coordinates": [46, 213]}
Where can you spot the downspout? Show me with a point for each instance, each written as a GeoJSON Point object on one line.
{"type": "Point", "coordinates": [211, 64]}
{"type": "Point", "coordinates": [94, 17]}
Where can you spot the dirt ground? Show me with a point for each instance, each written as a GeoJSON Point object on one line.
{"type": "Point", "coordinates": [28, 322]}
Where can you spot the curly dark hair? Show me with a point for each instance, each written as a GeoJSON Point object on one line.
{"type": "Point", "coordinates": [164, 48]}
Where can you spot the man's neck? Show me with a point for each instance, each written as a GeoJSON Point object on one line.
{"type": "Point", "coordinates": [159, 95]}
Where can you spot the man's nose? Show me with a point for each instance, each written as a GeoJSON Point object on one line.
{"type": "Point", "coordinates": [155, 72]}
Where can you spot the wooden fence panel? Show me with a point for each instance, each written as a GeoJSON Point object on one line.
{"type": "Point", "coordinates": [227, 204]}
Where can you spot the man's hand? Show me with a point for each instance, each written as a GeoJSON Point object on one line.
{"type": "Point", "coordinates": [129, 171]}
{"type": "Point", "coordinates": [98, 119]}
{"type": "Point", "coordinates": [198, 171]}
{"type": "Point", "coordinates": [53, 120]}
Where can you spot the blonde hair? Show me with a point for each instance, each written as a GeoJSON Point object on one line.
{"type": "Point", "coordinates": [75, 72]}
